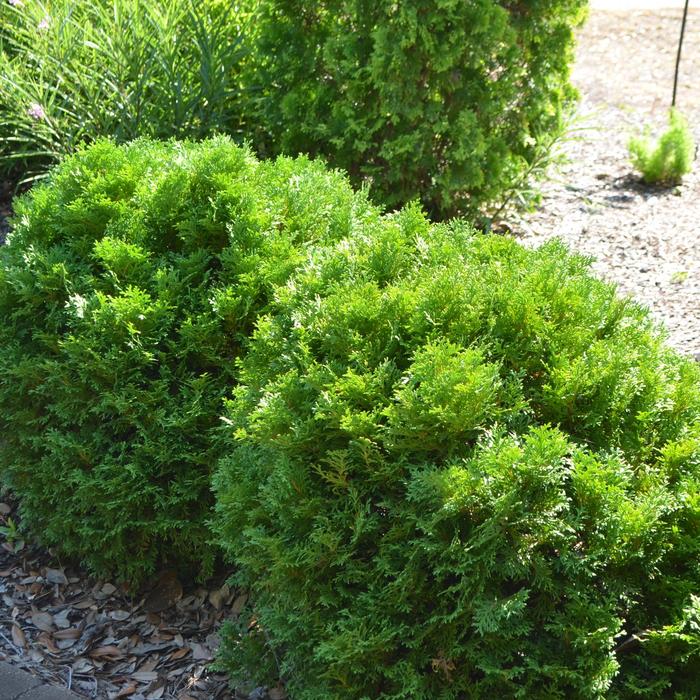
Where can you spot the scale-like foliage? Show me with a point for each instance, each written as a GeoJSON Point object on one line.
{"type": "Point", "coordinates": [128, 287]}
{"type": "Point", "coordinates": [446, 101]}
{"type": "Point", "coordinates": [462, 469]}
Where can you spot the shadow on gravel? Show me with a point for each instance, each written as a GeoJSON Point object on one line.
{"type": "Point", "coordinates": [634, 184]}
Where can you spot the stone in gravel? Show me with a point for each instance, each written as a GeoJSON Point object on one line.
{"type": "Point", "coordinates": [14, 682]}
{"type": "Point", "coordinates": [48, 692]}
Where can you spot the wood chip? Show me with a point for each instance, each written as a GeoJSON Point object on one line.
{"type": "Point", "coordinates": [45, 640]}
{"type": "Point", "coordinates": [149, 664]}
{"type": "Point", "coordinates": [82, 665]}
{"type": "Point", "coordinates": [107, 651]}
{"type": "Point", "coordinates": [56, 576]}
{"type": "Point", "coordinates": [216, 599]}
{"type": "Point", "coordinates": [42, 621]}
{"type": "Point", "coordinates": [167, 591]}
{"type": "Point", "coordinates": [70, 633]}
{"type": "Point", "coordinates": [180, 653]}
{"type": "Point", "coordinates": [239, 604]}
{"type": "Point", "coordinates": [61, 620]}
{"type": "Point", "coordinates": [18, 636]}
{"type": "Point", "coordinates": [127, 690]}
{"type": "Point", "coordinates": [148, 648]}
{"type": "Point", "coordinates": [145, 676]}
{"type": "Point", "coordinates": [200, 652]}
{"type": "Point", "coordinates": [120, 615]}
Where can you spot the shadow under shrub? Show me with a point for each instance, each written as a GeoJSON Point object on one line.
{"type": "Point", "coordinates": [452, 103]}
{"type": "Point", "coordinates": [128, 287]}
{"type": "Point", "coordinates": [462, 469]}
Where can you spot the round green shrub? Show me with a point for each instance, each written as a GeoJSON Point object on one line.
{"type": "Point", "coordinates": [458, 469]}
{"type": "Point", "coordinates": [128, 287]}
{"type": "Point", "coordinates": [445, 101]}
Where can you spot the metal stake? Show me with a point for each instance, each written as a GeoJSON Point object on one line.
{"type": "Point", "coordinates": [678, 55]}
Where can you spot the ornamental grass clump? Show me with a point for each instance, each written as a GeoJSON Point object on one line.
{"type": "Point", "coordinates": [72, 71]}
{"type": "Point", "coordinates": [459, 468]}
{"type": "Point", "coordinates": [128, 288]}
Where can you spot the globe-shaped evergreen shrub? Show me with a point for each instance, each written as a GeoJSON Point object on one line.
{"type": "Point", "coordinates": [128, 287]}
{"type": "Point", "coordinates": [460, 469]}
{"type": "Point", "coordinates": [452, 102]}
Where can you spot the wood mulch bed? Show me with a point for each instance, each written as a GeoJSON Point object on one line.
{"type": "Point", "coordinates": [102, 640]}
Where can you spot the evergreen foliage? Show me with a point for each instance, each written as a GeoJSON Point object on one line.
{"type": "Point", "coordinates": [459, 469]}
{"type": "Point", "coordinates": [74, 70]}
{"type": "Point", "coordinates": [128, 287]}
{"type": "Point", "coordinates": [666, 161]}
{"type": "Point", "coordinates": [445, 101]}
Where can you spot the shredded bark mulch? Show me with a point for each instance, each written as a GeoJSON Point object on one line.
{"type": "Point", "coordinates": [103, 641]}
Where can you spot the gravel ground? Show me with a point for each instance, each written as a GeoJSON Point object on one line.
{"type": "Point", "coordinates": [645, 239]}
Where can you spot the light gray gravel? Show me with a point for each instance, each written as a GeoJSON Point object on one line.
{"type": "Point", "coordinates": [645, 239]}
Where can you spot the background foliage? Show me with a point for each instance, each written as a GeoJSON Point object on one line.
{"type": "Point", "coordinates": [449, 102]}
{"type": "Point", "coordinates": [128, 287]}
{"type": "Point", "coordinates": [453, 103]}
{"type": "Point", "coordinates": [462, 469]}
{"type": "Point", "coordinates": [74, 70]}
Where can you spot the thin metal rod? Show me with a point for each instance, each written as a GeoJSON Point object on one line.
{"type": "Point", "coordinates": [678, 55]}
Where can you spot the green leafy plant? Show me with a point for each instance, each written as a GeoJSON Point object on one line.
{"type": "Point", "coordinates": [448, 102]}
{"type": "Point", "coordinates": [129, 284]}
{"type": "Point", "coordinates": [668, 160]}
{"type": "Point", "coordinates": [12, 535]}
{"type": "Point", "coordinates": [457, 469]}
{"type": "Point", "coordinates": [74, 70]}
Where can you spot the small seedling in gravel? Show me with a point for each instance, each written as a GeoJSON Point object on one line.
{"type": "Point", "coordinates": [679, 277]}
{"type": "Point", "coordinates": [664, 162]}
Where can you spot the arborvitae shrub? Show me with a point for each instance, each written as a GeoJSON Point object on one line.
{"type": "Point", "coordinates": [128, 287]}
{"type": "Point", "coordinates": [443, 101]}
{"type": "Point", "coordinates": [462, 469]}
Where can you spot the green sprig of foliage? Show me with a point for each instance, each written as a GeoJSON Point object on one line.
{"type": "Point", "coordinates": [668, 160]}
{"type": "Point", "coordinates": [457, 469]}
{"type": "Point", "coordinates": [448, 102]}
{"type": "Point", "coordinates": [74, 70]}
{"type": "Point", "coordinates": [128, 287]}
